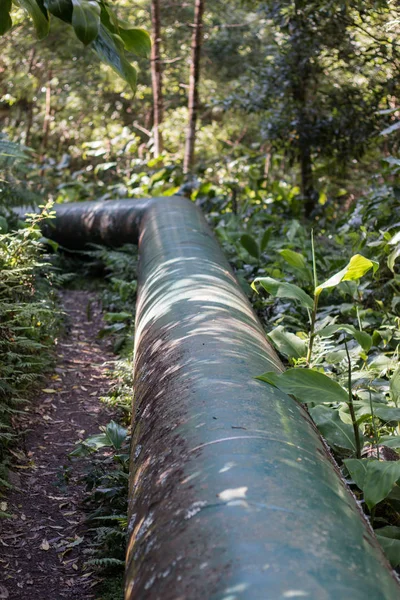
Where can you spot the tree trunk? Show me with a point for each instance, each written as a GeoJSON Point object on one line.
{"type": "Point", "coordinates": [194, 87]}
{"type": "Point", "coordinates": [300, 89]}
{"type": "Point", "coordinates": [29, 116]}
{"type": "Point", "coordinates": [47, 112]}
{"type": "Point", "coordinates": [307, 180]}
{"type": "Point", "coordinates": [156, 77]}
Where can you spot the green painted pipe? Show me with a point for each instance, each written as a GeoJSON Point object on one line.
{"type": "Point", "coordinates": [233, 494]}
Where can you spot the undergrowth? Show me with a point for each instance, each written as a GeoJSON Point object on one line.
{"type": "Point", "coordinates": [29, 320]}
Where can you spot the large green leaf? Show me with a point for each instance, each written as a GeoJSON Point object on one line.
{"type": "Point", "coordinates": [110, 49]}
{"type": "Point", "coordinates": [5, 18]}
{"type": "Point", "coordinates": [39, 16]}
{"type": "Point", "coordinates": [288, 343]}
{"type": "Point", "coordinates": [387, 413]}
{"type": "Point", "coordinates": [358, 470]}
{"type": "Point", "coordinates": [281, 289]}
{"type": "Point", "coordinates": [250, 244]}
{"type": "Point", "coordinates": [363, 338]}
{"type": "Point", "coordinates": [374, 477]}
{"type": "Point", "coordinates": [379, 480]}
{"type": "Point", "coordinates": [354, 270]}
{"type": "Point", "coordinates": [62, 9]}
{"type": "Point", "coordinates": [265, 239]}
{"type": "Point", "coordinates": [339, 435]}
{"type": "Point", "coordinates": [116, 434]}
{"type": "Point", "coordinates": [294, 259]}
{"type": "Point", "coordinates": [86, 20]}
{"type": "Point", "coordinates": [136, 40]}
{"type": "Point", "coordinates": [307, 386]}
{"type": "Point", "coordinates": [389, 538]}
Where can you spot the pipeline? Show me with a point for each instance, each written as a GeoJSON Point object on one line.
{"type": "Point", "coordinates": [233, 494]}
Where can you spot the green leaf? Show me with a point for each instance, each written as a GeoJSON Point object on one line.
{"type": "Point", "coordinates": [374, 477]}
{"type": "Point", "coordinates": [112, 435]}
{"type": "Point", "coordinates": [5, 18]}
{"type": "Point", "coordinates": [62, 9]}
{"type": "Point", "coordinates": [110, 49]}
{"type": "Point", "coordinates": [117, 317]}
{"type": "Point", "coordinates": [280, 289]}
{"type": "Point", "coordinates": [271, 377]}
{"type": "Point", "coordinates": [395, 385]}
{"type": "Point", "coordinates": [392, 441]}
{"type": "Point", "coordinates": [136, 40]}
{"type": "Point", "coordinates": [339, 435]}
{"type": "Point", "coordinates": [294, 259]}
{"type": "Point", "coordinates": [39, 16]}
{"type": "Point", "coordinates": [265, 239]}
{"type": "Point", "coordinates": [393, 256]}
{"type": "Point", "coordinates": [357, 468]}
{"type": "Point", "coordinates": [86, 20]}
{"type": "Point", "coordinates": [288, 343]}
{"type": "Point", "coordinates": [379, 481]}
{"type": "Point", "coordinates": [307, 386]}
{"type": "Point", "coordinates": [363, 338]}
{"type": "Point", "coordinates": [250, 244]}
{"type": "Point", "coordinates": [356, 268]}
{"type": "Point", "coordinates": [389, 538]}
{"type": "Point", "coordinates": [387, 413]}
{"type": "Point", "coordinates": [116, 434]}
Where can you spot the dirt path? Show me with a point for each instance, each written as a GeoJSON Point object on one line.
{"type": "Point", "coordinates": [42, 547]}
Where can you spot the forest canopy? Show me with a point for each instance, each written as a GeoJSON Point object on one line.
{"type": "Point", "coordinates": [301, 92]}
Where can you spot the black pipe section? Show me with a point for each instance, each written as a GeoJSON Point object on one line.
{"type": "Point", "coordinates": [233, 494]}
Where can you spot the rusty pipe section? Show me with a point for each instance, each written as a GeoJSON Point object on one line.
{"type": "Point", "coordinates": [232, 492]}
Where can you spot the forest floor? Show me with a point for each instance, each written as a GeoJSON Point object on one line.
{"type": "Point", "coordinates": [42, 547]}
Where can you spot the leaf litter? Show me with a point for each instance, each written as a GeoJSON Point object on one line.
{"type": "Point", "coordinates": [45, 542]}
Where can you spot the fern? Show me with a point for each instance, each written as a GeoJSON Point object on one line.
{"type": "Point", "coordinates": [105, 563]}
{"type": "Point", "coordinates": [28, 314]}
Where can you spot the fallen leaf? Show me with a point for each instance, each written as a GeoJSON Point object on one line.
{"type": "Point", "coordinates": [49, 391]}
{"type": "Point", "coordinates": [45, 545]}
{"type": "Point", "coordinates": [3, 592]}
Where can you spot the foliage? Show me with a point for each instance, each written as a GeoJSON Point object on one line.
{"type": "Point", "coordinates": [248, 135]}
{"type": "Point", "coordinates": [317, 80]}
{"type": "Point", "coordinates": [28, 319]}
{"type": "Point", "coordinates": [94, 23]}
{"type": "Point", "coordinates": [14, 191]}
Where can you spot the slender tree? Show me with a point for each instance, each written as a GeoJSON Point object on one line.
{"type": "Point", "coordinates": [47, 113]}
{"type": "Point", "coordinates": [194, 87]}
{"type": "Point", "coordinates": [156, 77]}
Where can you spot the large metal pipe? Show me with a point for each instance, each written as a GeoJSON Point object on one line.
{"type": "Point", "coordinates": [233, 494]}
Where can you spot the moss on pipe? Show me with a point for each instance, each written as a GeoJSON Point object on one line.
{"type": "Point", "coordinates": [233, 494]}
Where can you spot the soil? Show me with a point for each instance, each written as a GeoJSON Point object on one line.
{"type": "Point", "coordinates": [42, 547]}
